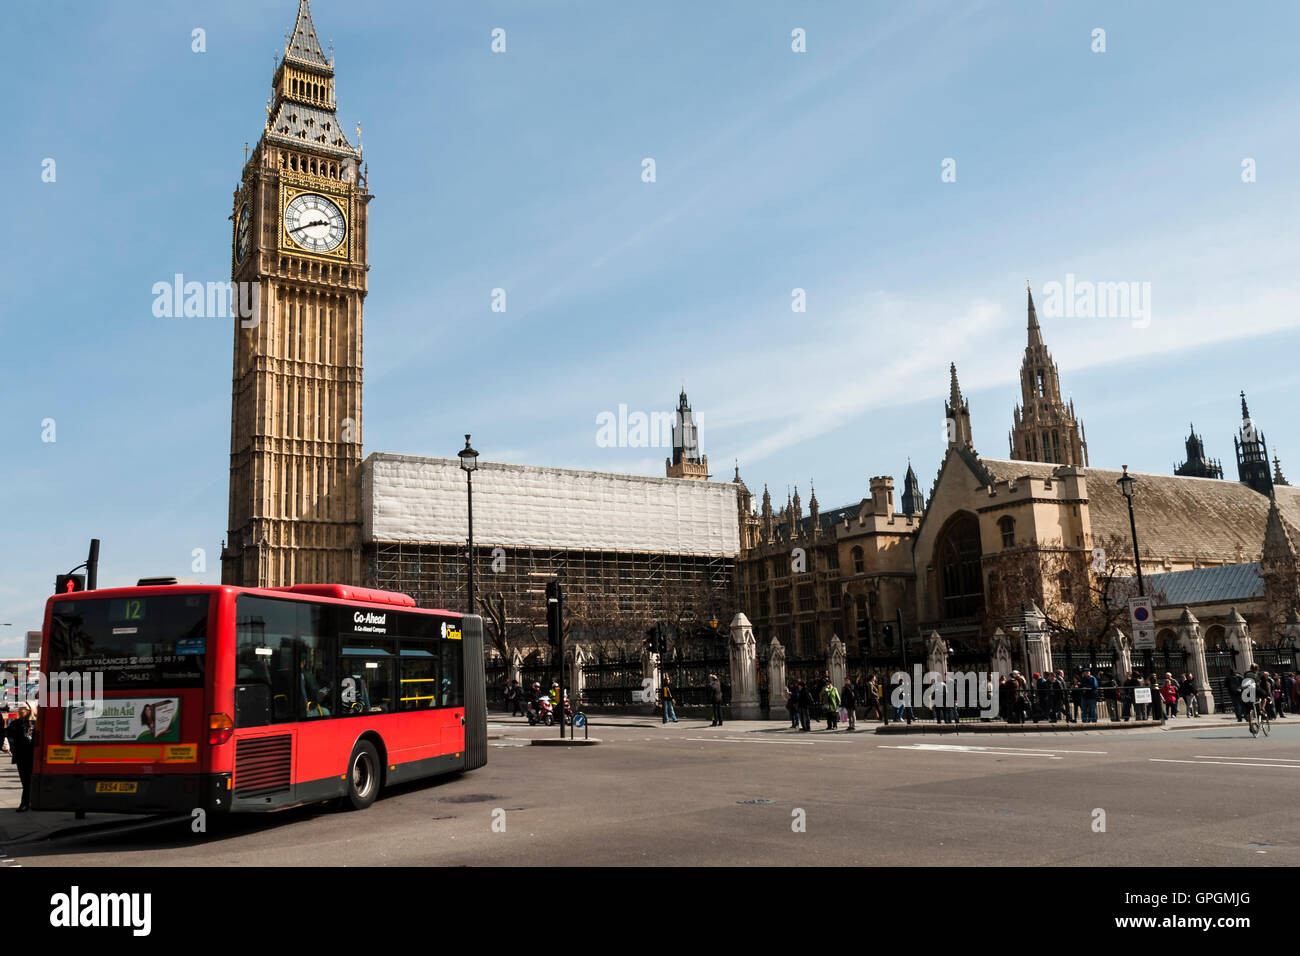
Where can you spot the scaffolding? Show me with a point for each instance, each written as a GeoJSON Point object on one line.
{"type": "Point", "coordinates": [611, 596]}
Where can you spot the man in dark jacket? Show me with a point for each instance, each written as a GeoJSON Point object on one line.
{"type": "Point", "coordinates": [1232, 684]}
{"type": "Point", "coordinates": [1088, 696]}
{"type": "Point", "coordinates": [715, 691]}
{"type": "Point", "coordinates": [1130, 684]}
{"type": "Point", "coordinates": [849, 701]}
{"type": "Point", "coordinates": [805, 707]}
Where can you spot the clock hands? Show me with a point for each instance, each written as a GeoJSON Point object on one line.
{"type": "Point", "coordinates": [308, 225]}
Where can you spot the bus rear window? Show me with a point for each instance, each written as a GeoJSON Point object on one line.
{"type": "Point", "coordinates": [146, 641]}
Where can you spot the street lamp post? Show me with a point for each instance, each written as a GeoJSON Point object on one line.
{"type": "Point", "coordinates": [1127, 484]}
{"type": "Point", "coordinates": [468, 463]}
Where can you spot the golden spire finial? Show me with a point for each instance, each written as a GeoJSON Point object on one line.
{"type": "Point", "coordinates": [1028, 287]}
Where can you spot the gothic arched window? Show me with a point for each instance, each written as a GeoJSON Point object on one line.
{"type": "Point", "coordinates": [858, 566]}
{"type": "Point", "coordinates": [1066, 587]}
{"type": "Point", "coordinates": [1007, 528]}
{"type": "Point", "coordinates": [957, 561]}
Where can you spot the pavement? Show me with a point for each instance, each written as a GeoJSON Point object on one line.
{"type": "Point", "coordinates": [1194, 793]}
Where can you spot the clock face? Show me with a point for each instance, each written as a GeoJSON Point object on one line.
{"type": "Point", "coordinates": [314, 222]}
{"type": "Point", "coordinates": [241, 234]}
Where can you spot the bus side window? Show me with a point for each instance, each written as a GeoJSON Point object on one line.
{"type": "Point", "coordinates": [418, 675]}
{"type": "Point", "coordinates": [451, 687]}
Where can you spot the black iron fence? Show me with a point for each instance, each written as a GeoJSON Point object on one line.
{"type": "Point", "coordinates": [612, 682]}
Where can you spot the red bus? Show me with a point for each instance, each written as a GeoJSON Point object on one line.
{"type": "Point", "coordinates": [244, 699]}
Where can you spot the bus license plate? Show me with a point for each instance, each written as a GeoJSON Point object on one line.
{"type": "Point", "coordinates": [105, 786]}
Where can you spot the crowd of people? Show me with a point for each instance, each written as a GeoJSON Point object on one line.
{"type": "Point", "coordinates": [1049, 697]}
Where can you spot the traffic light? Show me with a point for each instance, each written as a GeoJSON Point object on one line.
{"type": "Point", "coordinates": [889, 635]}
{"type": "Point", "coordinates": [67, 583]}
{"type": "Point", "coordinates": [661, 639]}
{"type": "Point", "coordinates": [554, 613]}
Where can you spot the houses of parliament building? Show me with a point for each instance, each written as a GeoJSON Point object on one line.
{"type": "Point", "coordinates": [304, 506]}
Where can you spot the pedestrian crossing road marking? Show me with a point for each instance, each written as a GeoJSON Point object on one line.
{"type": "Point", "coordinates": [1232, 762]}
{"type": "Point", "coordinates": [990, 751]}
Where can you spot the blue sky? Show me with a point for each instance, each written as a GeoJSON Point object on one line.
{"type": "Point", "coordinates": [775, 170]}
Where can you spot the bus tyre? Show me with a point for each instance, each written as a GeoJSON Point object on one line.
{"type": "Point", "coordinates": [363, 777]}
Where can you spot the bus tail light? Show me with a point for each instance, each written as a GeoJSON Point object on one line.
{"type": "Point", "coordinates": [220, 727]}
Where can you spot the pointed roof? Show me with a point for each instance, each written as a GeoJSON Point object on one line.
{"type": "Point", "coordinates": [1245, 412]}
{"type": "Point", "coordinates": [1035, 333]}
{"type": "Point", "coordinates": [303, 46]}
{"type": "Point", "coordinates": [954, 390]}
{"type": "Point", "coordinates": [1278, 544]}
{"type": "Point", "coordinates": [1278, 477]}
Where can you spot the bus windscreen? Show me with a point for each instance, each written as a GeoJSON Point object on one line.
{"type": "Point", "coordinates": [149, 641]}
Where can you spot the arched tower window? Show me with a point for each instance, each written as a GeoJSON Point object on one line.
{"type": "Point", "coordinates": [957, 560]}
{"type": "Point", "coordinates": [1007, 528]}
{"type": "Point", "coordinates": [1065, 586]}
{"type": "Point", "coordinates": [858, 566]}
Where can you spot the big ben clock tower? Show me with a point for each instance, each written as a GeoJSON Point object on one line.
{"type": "Point", "coordinates": [299, 234]}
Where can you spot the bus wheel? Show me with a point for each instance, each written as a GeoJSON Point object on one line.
{"type": "Point", "coordinates": [363, 777]}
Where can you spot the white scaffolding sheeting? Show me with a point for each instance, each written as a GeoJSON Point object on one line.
{"type": "Point", "coordinates": [407, 498]}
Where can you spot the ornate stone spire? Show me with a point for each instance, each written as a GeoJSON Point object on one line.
{"type": "Point", "coordinates": [957, 414]}
{"type": "Point", "coordinates": [1043, 426]}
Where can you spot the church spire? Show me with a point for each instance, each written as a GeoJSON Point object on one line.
{"type": "Point", "coordinates": [1035, 333]}
{"type": "Point", "coordinates": [1043, 426]}
{"type": "Point", "coordinates": [957, 414]}
{"type": "Point", "coordinates": [913, 504]}
{"type": "Point", "coordinates": [1278, 477]}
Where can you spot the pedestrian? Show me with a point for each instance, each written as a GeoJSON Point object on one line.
{"type": "Point", "coordinates": [898, 692]}
{"type": "Point", "coordinates": [513, 694]}
{"type": "Point", "coordinates": [873, 697]}
{"type": "Point", "coordinates": [1043, 697]}
{"type": "Point", "coordinates": [1157, 700]}
{"type": "Point", "coordinates": [1191, 704]}
{"type": "Point", "coordinates": [1130, 698]}
{"type": "Point", "coordinates": [792, 704]}
{"type": "Point", "coordinates": [1169, 695]}
{"type": "Point", "coordinates": [831, 701]}
{"type": "Point", "coordinates": [1110, 691]}
{"type": "Point", "coordinates": [715, 691]}
{"type": "Point", "coordinates": [22, 737]}
{"type": "Point", "coordinates": [1057, 692]}
{"type": "Point", "coordinates": [669, 712]}
{"type": "Point", "coordinates": [849, 701]}
{"type": "Point", "coordinates": [1232, 684]}
{"type": "Point", "coordinates": [805, 707]}
{"type": "Point", "coordinates": [1088, 696]}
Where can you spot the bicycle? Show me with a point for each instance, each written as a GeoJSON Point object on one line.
{"type": "Point", "coordinates": [1258, 719]}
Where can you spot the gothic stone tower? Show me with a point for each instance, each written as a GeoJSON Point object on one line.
{"type": "Point", "coordinates": [1252, 454]}
{"type": "Point", "coordinates": [687, 462]}
{"type": "Point", "coordinates": [295, 424]}
{"type": "Point", "coordinates": [1044, 427]}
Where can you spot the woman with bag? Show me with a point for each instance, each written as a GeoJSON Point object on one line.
{"type": "Point", "coordinates": [21, 734]}
{"type": "Point", "coordinates": [849, 705]}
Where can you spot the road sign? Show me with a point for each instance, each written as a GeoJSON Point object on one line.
{"type": "Point", "coordinates": [1143, 620]}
